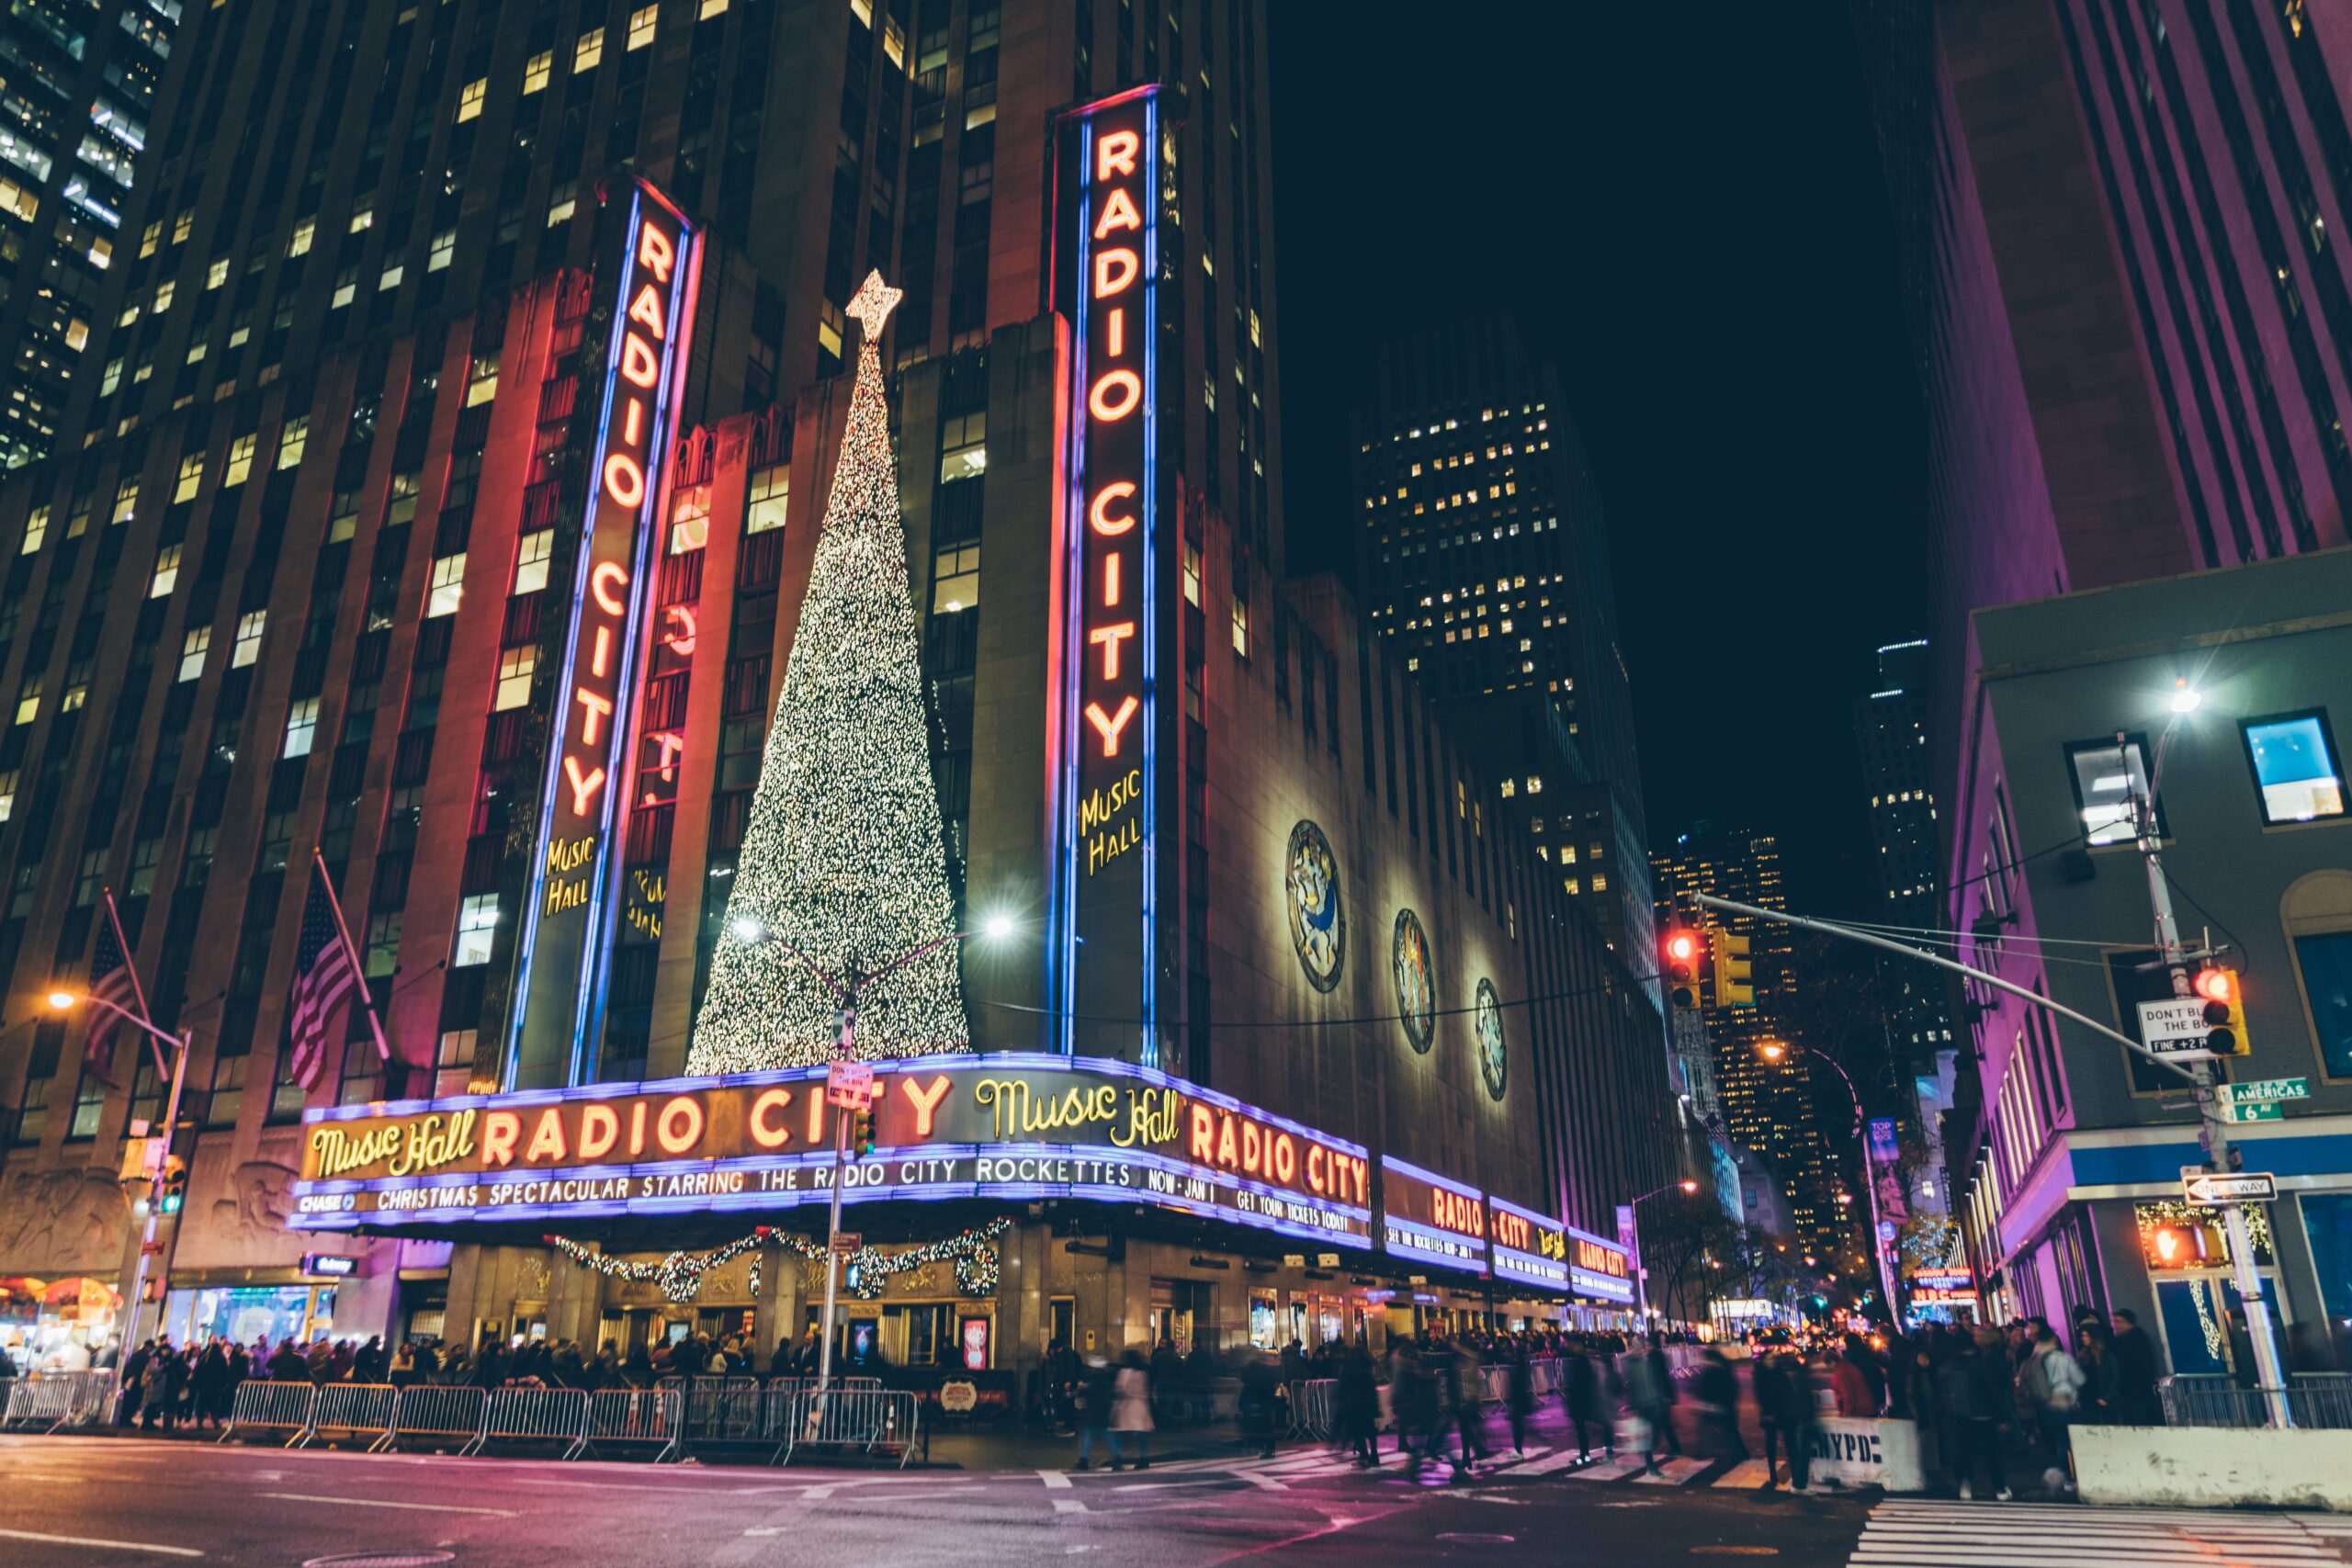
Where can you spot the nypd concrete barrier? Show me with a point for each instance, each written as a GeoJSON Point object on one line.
{"type": "Point", "coordinates": [624, 1418]}
{"type": "Point", "coordinates": [557, 1415]}
{"type": "Point", "coordinates": [265, 1408]}
{"type": "Point", "coordinates": [352, 1412]}
{"type": "Point", "coordinates": [2210, 1467]}
{"type": "Point", "coordinates": [862, 1420]}
{"type": "Point", "coordinates": [1854, 1452]}
{"type": "Point", "coordinates": [437, 1416]}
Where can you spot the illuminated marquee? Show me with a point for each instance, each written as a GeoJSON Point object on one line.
{"type": "Point", "coordinates": [1529, 1247]}
{"type": "Point", "coordinates": [1107, 583]}
{"type": "Point", "coordinates": [1012, 1126]}
{"type": "Point", "coordinates": [1943, 1287]}
{"type": "Point", "coordinates": [1426, 1217]}
{"type": "Point", "coordinates": [1598, 1268]}
{"type": "Point", "coordinates": [568, 903]}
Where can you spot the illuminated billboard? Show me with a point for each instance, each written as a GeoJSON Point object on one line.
{"type": "Point", "coordinates": [1529, 1247]}
{"type": "Point", "coordinates": [1014, 1126]}
{"type": "Point", "coordinates": [568, 902]}
{"type": "Point", "coordinates": [1431, 1219]}
{"type": "Point", "coordinates": [1102, 718]}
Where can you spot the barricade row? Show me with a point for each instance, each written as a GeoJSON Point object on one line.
{"type": "Point", "coordinates": [52, 1400]}
{"type": "Point", "coordinates": [864, 1420]}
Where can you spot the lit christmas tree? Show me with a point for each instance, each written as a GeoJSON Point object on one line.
{"type": "Point", "coordinates": [843, 871]}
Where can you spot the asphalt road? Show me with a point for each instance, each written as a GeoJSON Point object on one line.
{"type": "Point", "coordinates": [87, 1501]}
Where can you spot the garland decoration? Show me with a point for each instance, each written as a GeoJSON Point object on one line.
{"type": "Point", "coordinates": [867, 1270]}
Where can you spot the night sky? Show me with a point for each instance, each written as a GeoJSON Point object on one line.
{"type": "Point", "coordinates": [1689, 220]}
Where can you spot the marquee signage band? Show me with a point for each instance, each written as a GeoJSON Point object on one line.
{"type": "Point", "coordinates": [1426, 1217]}
{"type": "Point", "coordinates": [1600, 1269]}
{"type": "Point", "coordinates": [1102, 717]}
{"type": "Point", "coordinates": [568, 902]}
{"type": "Point", "coordinates": [1528, 1247]}
{"type": "Point", "coordinates": [1010, 1125]}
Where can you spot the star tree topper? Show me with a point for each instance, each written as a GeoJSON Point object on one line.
{"type": "Point", "coordinates": [871, 305]}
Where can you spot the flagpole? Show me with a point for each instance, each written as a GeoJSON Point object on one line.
{"type": "Point", "coordinates": [358, 973]}
{"type": "Point", "coordinates": [138, 987]}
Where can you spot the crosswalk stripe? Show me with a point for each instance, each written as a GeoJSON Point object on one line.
{"type": "Point", "coordinates": [2089, 1527]}
{"type": "Point", "coordinates": [1674, 1472]}
{"type": "Point", "coordinates": [1617, 1469]}
{"type": "Point", "coordinates": [1547, 1464]}
{"type": "Point", "coordinates": [2150, 1548]}
{"type": "Point", "coordinates": [1934, 1533]}
{"type": "Point", "coordinates": [1748, 1474]}
{"type": "Point", "coordinates": [1947, 1556]}
{"type": "Point", "coordinates": [2198, 1519]}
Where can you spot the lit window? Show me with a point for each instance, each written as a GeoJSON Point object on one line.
{"type": "Point", "coordinates": [443, 246]}
{"type": "Point", "coordinates": [148, 238]}
{"type": "Point", "coordinates": [183, 226]}
{"type": "Point", "coordinates": [291, 440]}
{"type": "Point", "coordinates": [470, 98]}
{"type": "Point", "coordinates": [482, 379]}
{"type": "Point", "coordinates": [448, 585]}
{"type": "Point", "coordinates": [248, 646]}
{"type": "Point", "coordinates": [956, 581]}
{"type": "Point", "coordinates": [690, 520]}
{"type": "Point", "coordinates": [28, 700]}
{"type": "Point", "coordinates": [1241, 627]}
{"type": "Point", "coordinates": [1600, 881]}
{"type": "Point", "coordinates": [36, 530]}
{"type": "Point", "coordinates": [531, 560]}
{"type": "Point", "coordinates": [711, 9]}
{"type": "Point", "coordinates": [363, 217]}
{"type": "Point", "coordinates": [2107, 779]}
{"type": "Point", "coordinates": [193, 649]}
{"type": "Point", "coordinates": [346, 288]}
{"type": "Point", "coordinates": [2294, 766]}
{"type": "Point", "coordinates": [343, 516]}
{"type": "Point", "coordinates": [164, 293]}
{"type": "Point", "coordinates": [563, 202]}
{"type": "Point", "coordinates": [515, 668]}
{"type": "Point", "coordinates": [126, 500]}
{"type": "Point", "coordinates": [191, 476]}
{"type": "Point", "coordinates": [1192, 574]}
{"type": "Point", "coordinates": [390, 276]}
{"type": "Point", "coordinates": [167, 572]}
{"type": "Point", "coordinates": [962, 447]}
{"type": "Point", "coordinates": [241, 461]}
{"type": "Point", "coordinates": [771, 489]}
{"type": "Point", "coordinates": [477, 924]}
{"type": "Point", "coordinates": [304, 232]}
{"type": "Point", "coordinates": [8, 794]}
{"type": "Point", "coordinates": [536, 70]}
{"type": "Point", "coordinates": [588, 50]}
{"type": "Point", "coordinates": [301, 727]}
{"type": "Point", "coordinates": [640, 26]}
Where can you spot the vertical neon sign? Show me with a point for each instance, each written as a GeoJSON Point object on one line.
{"type": "Point", "coordinates": [1103, 724]}
{"type": "Point", "coordinates": [569, 900]}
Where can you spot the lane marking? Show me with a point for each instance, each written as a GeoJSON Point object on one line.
{"type": "Point", "coordinates": [1749, 1474]}
{"type": "Point", "coordinates": [1673, 1472]}
{"type": "Point", "coordinates": [1055, 1480]}
{"type": "Point", "coordinates": [386, 1503]}
{"type": "Point", "coordinates": [104, 1545]}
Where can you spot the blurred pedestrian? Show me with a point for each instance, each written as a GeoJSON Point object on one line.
{"type": "Point", "coordinates": [1649, 1388]}
{"type": "Point", "coordinates": [1718, 1403]}
{"type": "Point", "coordinates": [2134, 1358]}
{"type": "Point", "coordinates": [1131, 1410]}
{"type": "Point", "coordinates": [2053, 1381]}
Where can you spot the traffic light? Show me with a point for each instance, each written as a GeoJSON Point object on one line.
{"type": "Point", "coordinates": [2224, 1011]}
{"type": "Point", "coordinates": [1734, 979]}
{"type": "Point", "coordinates": [861, 1134]}
{"type": "Point", "coordinates": [174, 1183]}
{"type": "Point", "coordinates": [1681, 949]}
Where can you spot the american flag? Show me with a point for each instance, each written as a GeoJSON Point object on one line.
{"type": "Point", "coordinates": [322, 977]}
{"type": "Point", "coordinates": [110, 981]}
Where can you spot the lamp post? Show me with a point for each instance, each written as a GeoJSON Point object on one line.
{"type": "Point", "coordinates": [996, 928]}
{"type": "Point", "coordinates": [64, 1001]}
{"type": "Point", "coordinates": [1778, 1050]}
{"type": "Point", "coordinates": [1641, 1273]}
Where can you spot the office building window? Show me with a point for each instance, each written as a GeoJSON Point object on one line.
{"type": "Point", "coordinates": [448, 585]}
{"type": "Point", "coordinates": [2293, 758]}
{"type": "Point", "coordinates": [515, 668]}
{"type": "Point", "coordinates": [477, 924]}
{"type": "Point", "coordinates": [2106, 777]}
{"type": "Point", "coordinates": [301, 727]}
{"type": "Point", "coordinates": [531, 560]}
{"type": "Point", "coordinates": [771, 490]}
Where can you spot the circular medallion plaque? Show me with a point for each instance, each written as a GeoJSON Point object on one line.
{"type": "Point", "coordinates": [1409, 962]}
{"type": "Point", "coordinates": [1319, 926]}
{"type": "Point", "coordinates": [1494, 1059]}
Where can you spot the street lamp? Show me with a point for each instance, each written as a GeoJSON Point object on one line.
{"type": "Point", "coordinates": [1780, 1050]}
{"type": "Point", "coordinates": [1641, 1275]}
{"type": "Point", "coordinates": [994, 927]}
{"type": "Point", "coordinates": [65, 1001]}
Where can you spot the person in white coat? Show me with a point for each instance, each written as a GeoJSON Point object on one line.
{"type": "Point", "coordinates": [1131, 1410]}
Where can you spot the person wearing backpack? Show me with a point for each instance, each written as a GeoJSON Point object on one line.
{"type": "Point", "coordinates": [2053, 1381]}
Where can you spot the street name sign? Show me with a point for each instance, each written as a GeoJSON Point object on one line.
{"type": "Point", "coordinates": [2262, 1089]}
{"type": "Point", "coordinates": [2210, 1188]}
{"type": "Point", "coordinates": [847, 1242]}
{"type": "Point", "coordinates": [2253, 1110]}
{"type": "Point", "coordinates": [2176, 1028]}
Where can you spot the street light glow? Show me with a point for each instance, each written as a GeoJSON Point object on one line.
{"type": "Point", "coordinates": [1772, 1050]}
{"type": "Point", "coordinates": [998, 927]}
{"type": "Point", "coordinates": [1689, 1186]}
{"type": "Point", "coordinates": [749, 929]}
{"type": "Point", "coordinates": [61, 1001]}
{"type": "Point", "coordinates": [2185, 697]}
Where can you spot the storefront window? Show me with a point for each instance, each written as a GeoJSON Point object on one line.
{"type": "Point", "coordinates": [2327, 1220]}
{"type": "Point", "coordinates": [1265, 1324]}
{"type": "Point", "coordinates": [56, 1323]}
{"type": "Point", "coordinates": [245, 1313]}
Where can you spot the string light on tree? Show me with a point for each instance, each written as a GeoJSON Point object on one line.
{"type": "Point", "coordinates": [844, 867]}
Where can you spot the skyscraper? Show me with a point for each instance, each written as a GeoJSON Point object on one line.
{"type": "Point", "coordinates": [1891, 727]}
{"type": "Point", "coordinates": [77, 94]}
{"type": "Point", "coordinates": [1482, 557]}
{"type": "Point", "coordinates": [1764, 1105]}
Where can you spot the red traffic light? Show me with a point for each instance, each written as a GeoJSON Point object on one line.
{"type": "Point", "coordinates": [1682, 946]}
{"type": "Point", "coordinates": [2215, 986]}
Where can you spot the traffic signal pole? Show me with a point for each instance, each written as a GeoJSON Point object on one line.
{"type": "Point", "coordinates": [148, 1246]}
{"type": "Point", "coordinates": [2212, 1133]}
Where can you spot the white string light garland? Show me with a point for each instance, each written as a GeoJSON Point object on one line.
{"type": "Point", "coordinates": [867, 1269]}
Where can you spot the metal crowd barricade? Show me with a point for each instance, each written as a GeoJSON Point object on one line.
{"type": "Point", "coordinates": [723, 1410]}
{"type": "Point", "coordinates": [2313, 1400]}
{"type": "Point", "coordinates": [534, 1416]}
{"type": "Point", "coordinates": [653, 1416]}
{"type": "Point", "coordinates": [436, 1415]}
{"type": "Point", "coordinates": [348, 1412]}
{"type": "Point", "coordinates": [1313, 1407]}
{"type": "Point", "coordinates": [41, 1400]}
{"type": "Point", "coordinates": [864, 1419]}
{"type": "Point", "coordinates": [271, 1408]}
